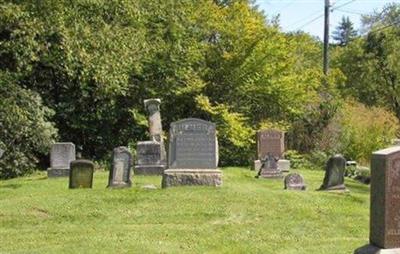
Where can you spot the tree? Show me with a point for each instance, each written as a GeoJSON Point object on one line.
{"type": "Point", "coordinates": [345, 32]}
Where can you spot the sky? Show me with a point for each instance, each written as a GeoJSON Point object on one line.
{"type": "Point", "coordinates": [307, 15]}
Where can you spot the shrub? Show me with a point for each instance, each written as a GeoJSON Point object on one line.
{"type": "Point", "coordinates": [297, 160]}
{"type": "Point", "coordinates": [25, 132]}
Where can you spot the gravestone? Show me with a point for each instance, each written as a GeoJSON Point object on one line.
{"type": "Point", "coordinates": [193, 154]}
{"type": "Point", "coordinates": [294, 181]}
{"type": "Point", "coordinates": [334, 173]}
{"type": "Point", "coordinates": [149, 158]}
{"type": "Point", "coordinates": [61, 155]}
{"type": "Point", "coordinates": [384, 234]}
{"type": "Point", "coordinates": [269, 168]}
{"type": "Point", "coordinates": [151, 155]}
{"type": "Point", "coordinates": [81, 174]}
{"type": "Point", "coordinates": [272, 142]}
{"type": "Point", "coordinates": [120, 173]}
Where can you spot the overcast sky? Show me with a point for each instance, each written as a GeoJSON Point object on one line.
{"type": "Point", "coordinates": [307, 15]}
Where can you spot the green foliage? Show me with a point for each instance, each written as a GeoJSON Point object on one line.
{"type": "Point", "coordinates": [25, 132]}
{"type": "Point", "coordinates": [297, 160]}
{"type": "Point", "coordinates": [94, 62]}
{"type": "Point", "coordinates": [357, 130]}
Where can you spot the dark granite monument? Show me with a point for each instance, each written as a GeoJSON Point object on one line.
{"type": "Point", "coordinates": [272, 142]}
{"type": "Point", "coordinates": [294, 181]}
{"type": "Point", "coordinates": [120, 173]}
{"type": "Point", "coordinates": [334, 173]}
{"type": "Point", "coordinates": [269, 168]}
{"type": "Point", "coordinates": [61, 155]}
{"type": "Point", "coordinates": [193, 154]}
{"type": "Point", "coordinates": [384, 234]}
{"type": "Point", "coordinates": [151, 155]}
{"type": "Point", "coordinates": [81, 174]}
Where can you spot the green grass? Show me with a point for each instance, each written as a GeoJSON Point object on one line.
{"type": "Point", "coordinates": [246, 215]}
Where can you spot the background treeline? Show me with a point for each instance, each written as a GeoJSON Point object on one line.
{"type": "Point", "coordinates": [79, 71]}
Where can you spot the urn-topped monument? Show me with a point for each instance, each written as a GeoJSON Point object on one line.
{"type": "Point", "coordinates": [151, 155]}
{"type": "Point", "coordinates": [192, 154]}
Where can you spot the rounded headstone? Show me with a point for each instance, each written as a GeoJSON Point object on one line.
{"type": "Point", "coordinates": [294, 181]}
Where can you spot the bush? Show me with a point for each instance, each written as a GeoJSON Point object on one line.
{"type": "Point", "coordinates": [357, 130]}
{"type": "Point", "coordinates": [25, 133]}
{"type": "Point", "coordinates": [297, 160]}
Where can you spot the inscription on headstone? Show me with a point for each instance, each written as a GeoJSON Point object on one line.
{"type": "Point", "coordinates": [270, 142]}
{"type": "Point", "coordinates": [193, 154]}
{"type": "Point", "coordinates": [61, 155]}
{"type": "Point", "coordinates": [193, 145]}
{"type": "Point", "coordinates": [81, 174]}
{"type": "Point", "coordinates": [120, 174]}
{"type": "Point", "coordinates": [385, 203]}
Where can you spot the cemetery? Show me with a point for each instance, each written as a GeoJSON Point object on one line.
{"type": "Point", "coordinates": [198, 127]}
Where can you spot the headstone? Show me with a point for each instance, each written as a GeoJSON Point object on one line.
{"type": "Point", "coordinates": [61, 155]}
{"type": "Point", "coordinates": [294, 181]}
{"type": "Point", "coordinates": [120, 173]}
{"type": "Point", "coordinates": [81, 174]}
{"type": "Point", "coordinates": [149, 158]}
{"type": "Point", "coordinates": [270, 142]}
{"type": "Point", "coordinates": [334, 173]}
{"type": "Point", "coordinates": [384, 234]}
{"type": "Point", "coordinates": [151, 155]}
{"type": "Point", "coordinates": [269, 168]}
{"type": "Point", "coordinates": [193, 154]}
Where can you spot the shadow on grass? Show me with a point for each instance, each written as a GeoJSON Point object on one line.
{"type": "Point", "coordinates": [10, 186]}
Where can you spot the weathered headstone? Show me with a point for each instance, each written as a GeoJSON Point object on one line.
{"type": "Point", "coordinates": [151, 155]}
{"type": "Point", "coordinates": [149, 158]}
{"type": "Point", "coordinates": [193, 154]}
{"type": "Point", "coordinates": [61, 155]}
{"type": "Point", "coordinates": [269, 168]}
{"type": "Point", "coordinates": [294, 181]}
{"type": "Point", "coordinates": [81, 174]}
{"type": "Point", "coordinates": [120, 173]}
{"type": "Point", "coordinates": [385, 203]}
{"type": "Point", "coordinates": [272, 142]}
{"type": "Point", "coordinates": [334, 173]}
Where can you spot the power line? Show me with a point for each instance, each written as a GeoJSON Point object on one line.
{"type": "Point", "coordinates": [286, 6]}
{"type": "Point", "coordinates": [311, 21]}
{"type": "Point", "coordinates": [349, 11]}
{"type": "Point", "coordinates": [342, 5]}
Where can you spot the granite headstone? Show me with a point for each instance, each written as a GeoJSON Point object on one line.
{"type": "Point", "coordinates": [81, 174]}
{"type": "Point", "coordinates": [294, 181]}
{"type": "Point", "coordinates": [334, 173]}
{"type": "Point", "coordinates": [61, 155]}
{"type": "Point", "coordinates": [384, 234]}
{"type": "Point", "coordinates": [193, 154]}
{"type": "Point", "coordinates": [120, 173]}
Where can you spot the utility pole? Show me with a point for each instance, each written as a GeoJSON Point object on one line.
{"type": "Point", "coordinates": [326, 37]}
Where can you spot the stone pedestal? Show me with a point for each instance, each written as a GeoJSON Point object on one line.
{"type": "Point", "coordinates": [284, 165]}
{"type": "Point", "coordinates": [57, 172]}
{"type": "Point", "coordinates": [372, 249]}
{"type": "Point", "coordinates": [179, 177]}
{"type": "Point", "coordinates": [150, 158]}
{"type": "Point", "coordinates": [256, 165]}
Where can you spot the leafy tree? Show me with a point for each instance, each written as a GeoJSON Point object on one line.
{"type": "Point", "coordinates": [25, 132]}
{"type": "Point", "coordinates": [344, 32]}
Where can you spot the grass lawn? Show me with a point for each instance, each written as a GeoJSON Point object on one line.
{"type": "Point", "coordinates": [246, 215]}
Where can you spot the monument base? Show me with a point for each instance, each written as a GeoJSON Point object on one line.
{"type": "Point", "coordinates": [339, 188]}
{"type": "Point", "coordinates": [120, 185]}
{"type": "Point", "coordinates": [181, 177]}
{"type": "Point", "coordinates": [57, 172]}
{"type": "Point", "coordinates": [284, 165]}
{"type": "Point", "coordinates": [271, 175]}
{"type": "Point", "coordinates": [256, 165]}
{"type": "Point", "coordinates": [372, 249]}
{"type": "Point", "coordinates": [149, 169]}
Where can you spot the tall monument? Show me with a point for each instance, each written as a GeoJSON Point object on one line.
{"type": "Point", "coordinates": [151, 155]}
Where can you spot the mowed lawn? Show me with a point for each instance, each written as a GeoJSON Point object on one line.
{"type": "Point", "coordinates": [246, 215]}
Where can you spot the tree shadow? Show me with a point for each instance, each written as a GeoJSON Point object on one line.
{"type": "Point", "coordinates": [10, 186]}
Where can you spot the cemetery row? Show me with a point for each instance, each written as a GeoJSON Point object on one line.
{"type": "Point", "coordinates": [193, 160]}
